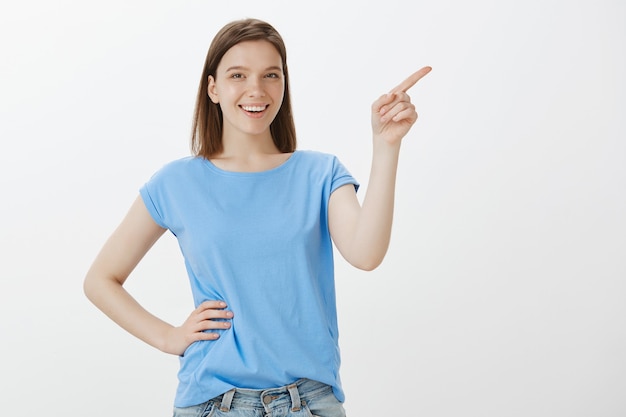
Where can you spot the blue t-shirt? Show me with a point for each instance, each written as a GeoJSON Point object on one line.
{"type": "Point", "coordinates": [260, 242]}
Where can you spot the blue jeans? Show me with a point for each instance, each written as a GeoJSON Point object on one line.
{"type": "Point", "coordinates": [304, 398]}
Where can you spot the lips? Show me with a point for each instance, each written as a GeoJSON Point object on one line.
{"type": "Point", "coordinates": [255, 108]}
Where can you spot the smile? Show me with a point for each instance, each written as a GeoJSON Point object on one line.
{"type": "Point", "coordinates": [254, 109]}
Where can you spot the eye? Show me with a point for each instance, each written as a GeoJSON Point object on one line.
{"type": "Point", "coordinates": [272, 75]}
{"type": "Point", "coordinates": [236, 75]}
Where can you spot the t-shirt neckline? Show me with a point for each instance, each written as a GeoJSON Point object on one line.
{"type": "Point", "coordinates": [278, 167]}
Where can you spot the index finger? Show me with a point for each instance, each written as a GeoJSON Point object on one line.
{"type": "Point", "coordinates": [211, 304]}
{"type": "Point", "coordinates": [410, 82]}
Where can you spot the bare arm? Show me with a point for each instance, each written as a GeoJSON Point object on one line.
{"type": "Point", "coordinates": [104, 282]}
{"type": "Point", "coordinates": [362, 233]}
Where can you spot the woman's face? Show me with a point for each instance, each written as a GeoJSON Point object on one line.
{"type": "Point", "coordinates": [249, 86]}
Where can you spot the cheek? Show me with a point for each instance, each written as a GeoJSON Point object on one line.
{"type": "Point", "coordinates": [278, 92]}
{"type": "Point", "coordinates": [227, 93]}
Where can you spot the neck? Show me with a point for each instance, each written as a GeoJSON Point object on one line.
{"type": "Point", "coordinates": [249, 153]}
{"type": "Point", "coordinates": [247, 146]}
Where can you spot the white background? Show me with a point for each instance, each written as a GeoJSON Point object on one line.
{"type": "Point", "coordinates": [503, 293]}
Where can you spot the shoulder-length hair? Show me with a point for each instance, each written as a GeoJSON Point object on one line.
{"type": "Point", "coordinates": [207, 125]}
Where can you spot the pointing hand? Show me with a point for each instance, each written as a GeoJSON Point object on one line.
{"type": "Point", "coordinates": [393, 114]}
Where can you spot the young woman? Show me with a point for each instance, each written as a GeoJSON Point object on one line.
{"type": "Point", "coordinates": [256, 220]}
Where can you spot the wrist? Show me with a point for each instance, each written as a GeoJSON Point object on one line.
{"type": "Point", "coordinates": [384, 148]}
{"type": "Point", "coordinates": [164, 339]}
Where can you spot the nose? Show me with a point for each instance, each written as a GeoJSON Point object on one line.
{"type": "Point", "coordinates": [255, 87]}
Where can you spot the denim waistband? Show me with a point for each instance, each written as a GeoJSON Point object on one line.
{"type": "Point", "coordinates": [295, 394]}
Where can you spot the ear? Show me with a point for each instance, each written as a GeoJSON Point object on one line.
{"type": "Point", "coordinates": [212, 91]}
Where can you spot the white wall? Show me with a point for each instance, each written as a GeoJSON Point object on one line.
{"type": "Point", "coordinates": [503, 291]}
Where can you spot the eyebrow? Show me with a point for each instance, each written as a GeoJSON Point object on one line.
{"type": "Point", "coordinates": [239, 67]}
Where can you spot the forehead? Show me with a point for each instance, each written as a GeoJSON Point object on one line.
{"type": "Point", "coordinates": [251, 54]}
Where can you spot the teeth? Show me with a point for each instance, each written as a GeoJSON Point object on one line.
{"type": "Point", "coordinates": [253, 108]}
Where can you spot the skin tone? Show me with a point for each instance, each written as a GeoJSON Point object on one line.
{"type": "Point", "coordinates": [362, 233]}
{"type": "Point", "coordinates": [249, 87]}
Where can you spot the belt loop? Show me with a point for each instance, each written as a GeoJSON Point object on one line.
{"type": "Point", "coordinates": [295, 397]}
{"type": "Point", "coordinates": [227, 399]}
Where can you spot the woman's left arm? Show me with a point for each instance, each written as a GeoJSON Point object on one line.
{"type": "Point", "coordinates": [362, 232]}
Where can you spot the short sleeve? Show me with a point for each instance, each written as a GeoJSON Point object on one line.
{"type": "Point", "coordinates": [151, 204]}
{"type": "Point", "coordinates": [341, 176]}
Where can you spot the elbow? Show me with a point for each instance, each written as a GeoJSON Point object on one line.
{"type": "Point", "coordinates": [98, 285]}
{"type": "Point", "coordinates": [89, 288]}
{"type": "Point", "coordinates": [365, 259]}
{"type": "Point", "coordinates": [94, 285]}
{"type": "Point", "coordinates": [366, 267]}
{"type": "Point", "coordinates": [367, 264]}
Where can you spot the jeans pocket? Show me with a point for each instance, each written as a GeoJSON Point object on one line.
{"type": "Point", "coordinates": [325, 406]}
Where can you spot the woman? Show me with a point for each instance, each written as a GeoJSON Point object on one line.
{"type": "Point", "coordinates": [256, 220]}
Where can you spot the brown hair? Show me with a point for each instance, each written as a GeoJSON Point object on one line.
{"type": "Point", "coordinates": [207, 127]}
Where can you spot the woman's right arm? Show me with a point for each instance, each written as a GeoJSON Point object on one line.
{"type": "Point", "coordinates": [104, 282]}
